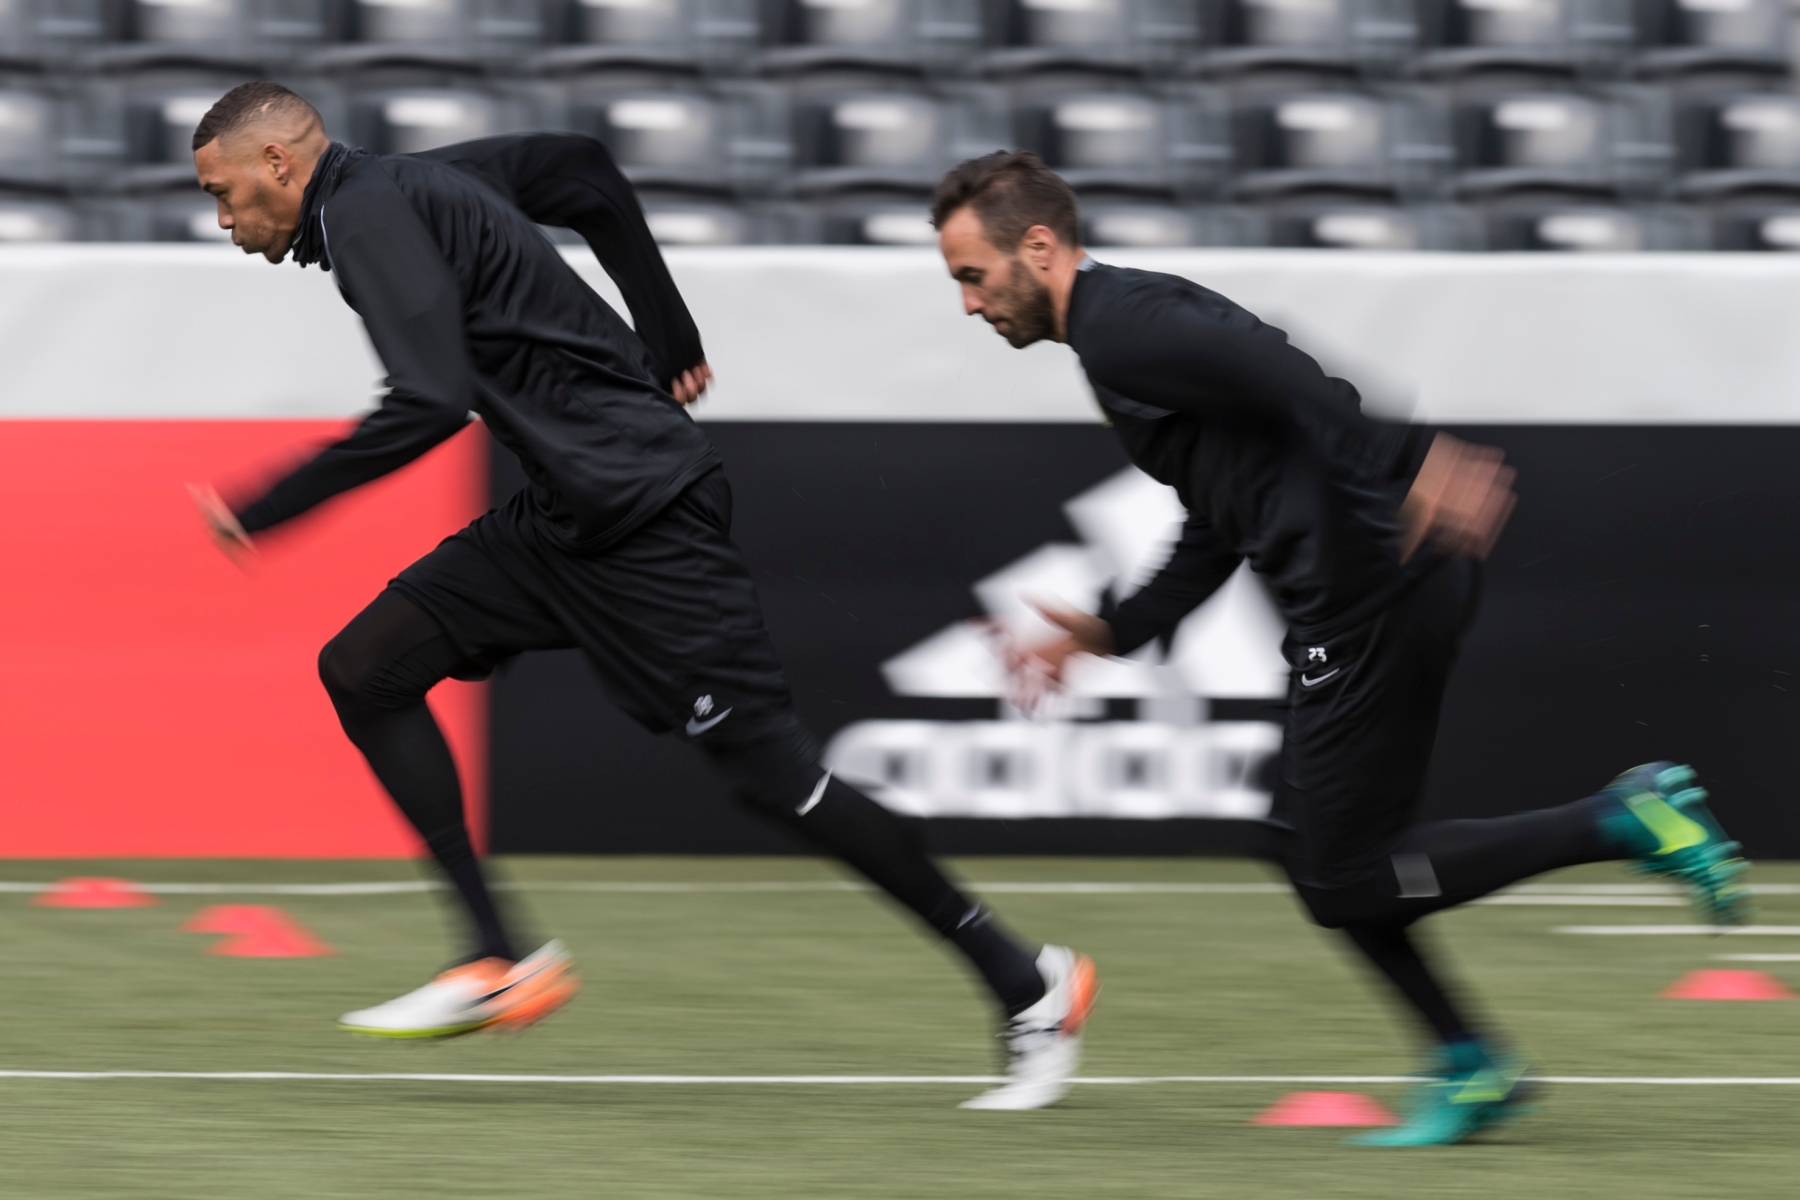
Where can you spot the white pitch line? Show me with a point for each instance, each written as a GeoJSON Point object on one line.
{"type": "Point", "coordinates": [855, 1080]}
{"type": "Point", "coordinates": [1671, 930]}
{"type": "Point", "coordinates": [1757, 957]}
{"type": "Point", "coordinates": [1601, 895]}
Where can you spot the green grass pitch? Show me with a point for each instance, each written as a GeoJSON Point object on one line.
{"type": "Point", "coordinates": [833, 982]}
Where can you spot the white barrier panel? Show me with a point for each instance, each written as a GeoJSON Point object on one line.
{"type": "Point", "coordinates": [816, 333]}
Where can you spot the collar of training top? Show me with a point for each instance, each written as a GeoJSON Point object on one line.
{"type": "Point", "coordinates": [328, 172]}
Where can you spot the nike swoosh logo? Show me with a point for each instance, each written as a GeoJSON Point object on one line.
{"type": "Point", "coordinates": [696, 727]}
{"type": "Point", "coordinates": [1308, 681]}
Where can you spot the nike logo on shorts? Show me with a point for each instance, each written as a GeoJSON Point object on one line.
{"type": "Point", "coordinates": [696, 726]}
{"type": "Point", "coordinates": [1305, 679]}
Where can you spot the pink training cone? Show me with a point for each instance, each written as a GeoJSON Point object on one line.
{"type": "Point", "coordinates": [257, 931]}
{"type": "Point", "coordinates": [1326, 1108]}
{"type": "Point", "coordinates": [87, 892]}
{"type": "Point", "coordinates": [1719, 984]}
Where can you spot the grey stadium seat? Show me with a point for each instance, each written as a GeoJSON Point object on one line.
{"type": "Point", "coordinates": [862, 138]}
{"type": "Point", "coordinates": [1464, 35]}
{"type": "Point", "coordinates": [25, 219]}
{"type": "Point", "coordinates": [32, 129]}
{"type": "Point", "coordinates": [1254, 34]}
{"type": "Point", "coordinates": [1352, 225]}
{"type": "Point", "coordinates": [1732, 142]}
{"type": "Point", "coordinates": [406, 121]}
{"type": "Point", "coordinates": [1343, 140]}
{"type": "Point", "coordinates": [1145, 33]}
{"type": "Point", "coordinates": [1689, 35]}
{"type": "Point", "coordinates": [262, 28]}
{"type": "Point", "coordinates": [49, 30]}
{"type": "Point", "coordinates": [1583, 139]}
{"type": "Point", "coordinates": [894, 31]}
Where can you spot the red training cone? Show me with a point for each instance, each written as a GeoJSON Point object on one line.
{"type": "Point", "coordinates": [258, 931]}
{"type": "Point", "coordinates": [1325, 1108]}
{"type": "Point", "coordinates": [83, 892]}
{"type": "Point", "coordinates": [1716, 984]}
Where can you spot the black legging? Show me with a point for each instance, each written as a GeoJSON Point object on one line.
{"type": "Point", "coordinates": [379, 669]}
{"type": "Point", "coordinates": [1438, 865]}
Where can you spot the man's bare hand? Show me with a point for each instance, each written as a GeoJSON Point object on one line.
{"type": "Point", "coordinates": [690, 385]}
{"type": "Point", "coordinates": [1460, 500]}
{"type": "Point", "coordinates": [227, 533]}
{"type": "Point", "coordinates": [1035, 670]}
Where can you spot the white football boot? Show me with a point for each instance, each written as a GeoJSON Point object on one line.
{"type": "Point", "coordinates": [489, 993]}
{"type": "Point", "coordinates": [1043, 1043]}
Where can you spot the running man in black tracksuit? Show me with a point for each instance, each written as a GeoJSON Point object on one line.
{"type": "Point", "coordinates": [619, 546]}
{"type": "Point", "coordinates": [1368, 535]}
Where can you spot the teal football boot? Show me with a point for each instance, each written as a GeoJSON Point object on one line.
{"type": "Point", "coordinates": [1467, 1088]}
{"type": "Point", "coordinates": [1664, 824]}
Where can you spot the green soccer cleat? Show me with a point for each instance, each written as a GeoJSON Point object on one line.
{"type": "Point", "coordinates": [1671, 833]}
{"type": "Point", "coordinates": [1467, 1090]}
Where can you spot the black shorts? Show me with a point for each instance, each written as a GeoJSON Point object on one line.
{"type": "Point", "coordinates": [668, 617]}
{"type": "Point", "coordinates": [1362, 717]}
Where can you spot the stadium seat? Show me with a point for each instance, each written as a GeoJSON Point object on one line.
{"type": "Point", "coordinates": [1306, 141]}
{"type": "Point", "coordinates": [1246, 35]}
{"type": "Point", "coordinates": [1551, 223]}
{"type": "Point", "coordinates": [33, 219]}
{"type": "Point", "coordinates": [31, 137]}
{"type": "Point", "coordinates": [889, 217]}
{"type": "Point", "coordinates": [1479, 35]}
{"type": "Point", "coordinates": [848, 137]}
{"type": "Point", "coordinates": [266, 29]}
{"type": "Point", "coordinates": [678, 219]}
{"type": "Point", "coordinates": [1767, 219]}
{"type": "Point", "coordinates": [1353, 224]}
{"type": "Point", "coordinates": [1508, 140]}
{"type": "Point", "coordinates": [1151, 222]}
{"type": "Point", "coordinates": [934, 32]}
{"type": "Point", "coordinates": [407, 121]}
{"type": "Point", "coordinates": [718, 32]}
{"type": "Point", "coordinates": [41, 32]}
{"type": "Point", "coordinates": [1690, 35]}
{"type": "Point", "coordinates": [1150, 34]}
{"type": "Point", "coordinates": [1117, 137]}
{"type": "Point", "coordinates": [483, 29]}
{"type": "Point", "coordinates": [670, 137]}
{"type": "Point", "coordinates": [136, 116]}
{"type": "Point", "coordinates": [1728, 143]}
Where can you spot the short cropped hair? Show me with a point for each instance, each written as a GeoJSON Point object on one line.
{"type": "Point", "coordinates": [1010, 191]}
{"type": "Point", "coordinates": [247, 103]}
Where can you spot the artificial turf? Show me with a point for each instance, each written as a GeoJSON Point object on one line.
{"type": "Point", "coordinates": [832, 982]}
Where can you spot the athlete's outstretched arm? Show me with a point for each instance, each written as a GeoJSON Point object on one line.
{"type": "Point", "coordinates": [1199, 564]}
{"type": "Point", "coordinates": [393, 275]}
{"type": "Point", "coordinates": [570, 181]}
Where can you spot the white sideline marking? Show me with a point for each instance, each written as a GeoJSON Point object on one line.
{"type": "Point", "coordinates": [1652, 930]}
{"type": "Point", "coordinates": [1757, 957]}
{"type": "Point", "coordinates": [1622, 895]}
{"type": "Point", "coordinates": [802, 1080]}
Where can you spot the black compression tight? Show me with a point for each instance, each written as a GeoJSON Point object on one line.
{"type": "Point", "coordinates": [377, 672]}
{"type": "Point", "coordinates": [1442, 864]}
{"type": "Point", "coordinates": [379, 669]}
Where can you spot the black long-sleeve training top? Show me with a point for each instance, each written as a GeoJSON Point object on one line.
{"type": "Point", "coordinates": [472, 309]}
{"type": "Point", "coordinates": [1273, 459]}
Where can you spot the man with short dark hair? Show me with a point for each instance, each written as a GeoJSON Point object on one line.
{"type": "Point", "coordinates": [619, 544]}
{"type": "Point", "coordinates": [1369, 537]}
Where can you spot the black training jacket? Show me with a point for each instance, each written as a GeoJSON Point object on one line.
{"type": "Point", "coordinates": [1273, 459]}
{"type": "Point", "coordinates": [472, 309]}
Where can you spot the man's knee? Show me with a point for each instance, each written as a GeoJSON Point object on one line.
{"type": "Point", "coordinates": [775, 773]}
{"type": "Point", "coordinates": [357, 674]}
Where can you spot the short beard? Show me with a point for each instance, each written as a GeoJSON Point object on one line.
{"type": "Point", "coordinates": [1030, 312]}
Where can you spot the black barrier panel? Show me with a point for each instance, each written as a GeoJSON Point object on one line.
{"type": "Point", "coordinates": [1644, 603]}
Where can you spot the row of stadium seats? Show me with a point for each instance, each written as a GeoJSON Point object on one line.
{"type": "Point", "coordinates": [833, 132]}
{"type": "Point", "coordinates": [986, 36]}
{"type": "Point", "coordinates": [1530, 221]}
